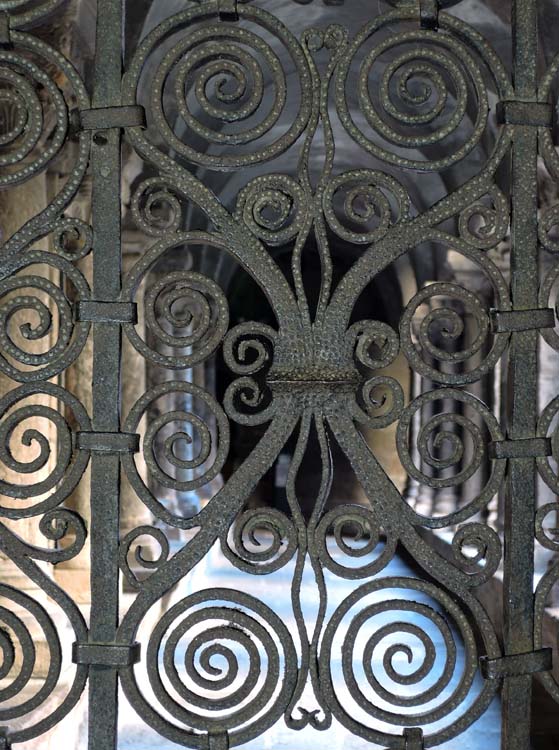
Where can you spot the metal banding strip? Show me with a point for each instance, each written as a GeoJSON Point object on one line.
{"type": "Point", "coordinates": [227, 10]}
{"type": "Point", "coordinates": [5, 41]}
{"type": "Point", "coordinates": [429, 14]}
{"type": "Point", "coordinates": [507, 321]}
{"type": "Point", "coordinates": [106, 654]}
{"type": "Point", "coordinates": [108, 442]}
{"type": "Point", "coordinates": [536, 114]}
{"type": "Point", "coordinates": [92, 311]}
{"type": "Point", "coordinates": [104, 118]}
{"type": "Point", "coordinates": [413, 738]}
{"type": "Point", "coordinates": [218, 741]}
{"type": "Point", "coordinates": [528, 448]}
{"type": "Point", "coordinates": [516, 664]}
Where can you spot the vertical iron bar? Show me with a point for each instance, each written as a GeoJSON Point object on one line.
{"type": "Point", "coordinates": [105, 468]}
{"type": "Point", "coordinates": [521, 489]}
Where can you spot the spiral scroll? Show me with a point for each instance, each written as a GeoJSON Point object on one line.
{"type": "Point", "coordinates": [69, 463]}
{"type": "Point", "coordinates": [451, 448]}
{"type": "Point", "coordinates": [416, 88]}
{"type": "Point", "coordinates": [229, 665]}
{"type": "Point", "coordinates": [217, 78]}
{"type": "Point", "coordinates": [389, 618]}
{"type": "Point", "coordinates": [189, 426]}
{"type": "Point", "coordinates": [185, 311]}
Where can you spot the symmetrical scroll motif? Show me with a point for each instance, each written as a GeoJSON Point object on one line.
{"type": "Point", "coordinates": [320, 214]}
{"type": "Point", "coordinates": [224, 94]}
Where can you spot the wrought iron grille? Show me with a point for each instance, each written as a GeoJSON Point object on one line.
{"type": "Point", "coordinates": [294, 150]}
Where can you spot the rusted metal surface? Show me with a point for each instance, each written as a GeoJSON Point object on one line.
{"type": "Point", "coordinates": [227, 71]}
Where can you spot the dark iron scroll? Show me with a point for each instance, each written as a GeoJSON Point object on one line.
{"type": "Point", "coordinates": [226, 87]}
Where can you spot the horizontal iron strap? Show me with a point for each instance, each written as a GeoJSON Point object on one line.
{"type": "Point", "coordinates": [108, 442]}
{"type": "Point", "coordinates": [105, 118]}
{"type": "Point", "coordinates": [509, 321]}
{"type": "Point", "coordinates": [536, 114]}
{"type": "Point", "coordinates": [516, 664]}
{"type": "Point", "coordinates": [218, 741]}
{"type": "Point", "coordinates": [413, 738]}
{"type": "Point", "coordinates": [92, 311]}
{"type": "Point", "coordinates": [528, 448]}
{"type": "Point", "coordinates": [429, 14]}
{"type": "Point", "coordinates": [5, 41]}
{"type": "Point", "coordinates": [227, 10]}
{"type": "Point", "coordinates": [106, 654]}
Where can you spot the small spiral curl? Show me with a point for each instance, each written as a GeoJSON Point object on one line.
{"type": "Point", "coordinates": [486, 547]}
{"type": "Point", "coordinates": [362, 527]}
{"type": "Point", "coordinates": [272, 207]}
{"type": "Point", "coordinates": [262, 541]}
{"type": "Point", "coordinates": [151, 564]}
{"type": "Point", "coordinates": [372, 203]}
{"type": "Point", "coordinates": [244, 348]}
{"type": "Point", "coordinates": [156, 208]}
{"type": "Point", "coordinates": [484, 226]}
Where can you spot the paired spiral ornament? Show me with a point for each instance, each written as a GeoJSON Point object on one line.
{"type": "Point", "coordinates": [45, 433]}
{"type": "Point", "coordinates": [248, 351]}
{"type": "Point", "coordinates": [391, 621]}
{"type": "Point", "coordinates": [219, 660]}
{"type": "Point", "coordinates": [229, 86]}
{"type": "Point", "coordinates": [451, 447]}
{"type": "Point", "coordinates": [359, 550]}
{"type": "Point", "coordinates": [185, 311]}
{"type": "Point", "coordinates": [361, 205]}
{"type": "Point", "coordinates": [262, 541]}
{"type": "Point", "coordinates": [415, 90]}
{"type": "Point", "coordinates": [171, 431]}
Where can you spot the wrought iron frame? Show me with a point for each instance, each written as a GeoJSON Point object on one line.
{"type": "Point", "coordinates": [316, 371]}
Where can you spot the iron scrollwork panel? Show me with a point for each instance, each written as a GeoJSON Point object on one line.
{"type": "Point", "coordinates": [270, 144]}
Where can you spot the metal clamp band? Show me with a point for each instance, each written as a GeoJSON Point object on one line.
{"type": "Point", "coordinates": [106, 654]}
{"type": "Point", "coordinates": [429, 14]}
{"type": "Point", "coordinates": [535, 114]}
{"type": "Point", "coordinates": [104, 118]}
{"type": "Point", "coordinates": [5, 34]}
{"type": "Point", "coordinates": [108, 442]}
{"type": "Point", "coordinates": [93, 311]}
{"type": "Point", "coordinates": [218, 741]}
{"type": "Point", "coordinates": [413, 738]}
{"type": "Point", "coordinates": [227, 10]}
{"type": "Point", "coordinates": [527, 448]}
{"type": "Point", "coordinates": [516, 664]}
{"type": "Point", "coordinates": [510, 321]}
